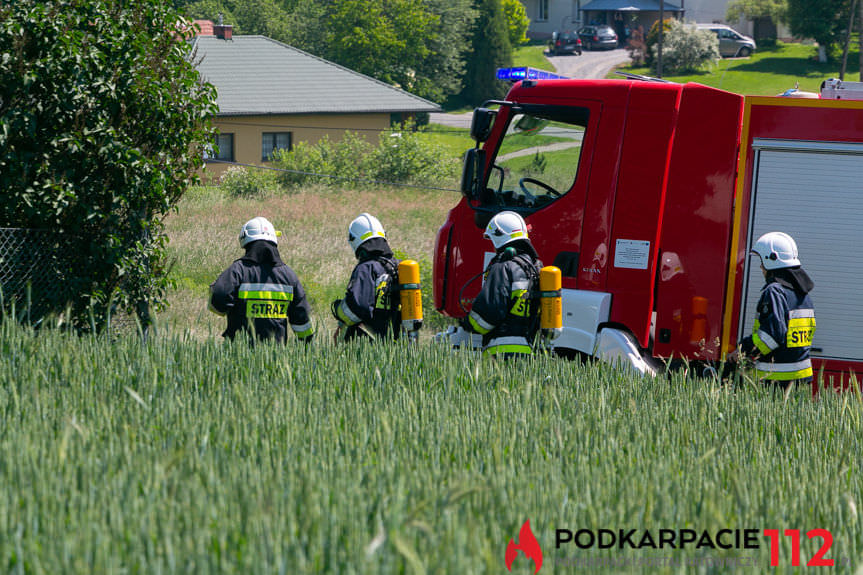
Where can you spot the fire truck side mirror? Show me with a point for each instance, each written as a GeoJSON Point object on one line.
{"type": "Point", "coordinates": [480, 124]}
{"type": "Point", "coordinates": [472, 176]}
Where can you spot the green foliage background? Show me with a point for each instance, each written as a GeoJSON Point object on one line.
{"type": "Point", "coordinates": [826, 21]}
{"type": "Point", "coordinates": [490, 50]}
{"type": "Point", "coordinates": [102, 122]}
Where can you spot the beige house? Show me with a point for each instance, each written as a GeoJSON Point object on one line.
{"type": "Point", "coordinates": [271, 96]}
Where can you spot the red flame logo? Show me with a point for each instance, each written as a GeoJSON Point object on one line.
{"type": "Point", "coordinates": [527, 544]}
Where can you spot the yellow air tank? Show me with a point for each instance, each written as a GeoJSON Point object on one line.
{"type": "Point", "coordinates": [410, 296]}
{"type": "Point", "coordinates": [551, 309]}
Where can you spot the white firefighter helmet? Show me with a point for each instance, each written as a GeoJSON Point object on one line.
{"type": "Point", "coordinates": [258, 229]}
{"type": "Point", "coordinates": [364, 228]}
{"type": "Point", "coordinates": [777, 250]}
{"type": "Point", "coordinates": [504, 228]}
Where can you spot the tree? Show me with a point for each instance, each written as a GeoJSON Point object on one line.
{"type": "Point", "coordinates": [490, 50]}
{"type": "Point", "coordinates": [652, 39]}
{"type": "Point", "coordinates": [417, 46]}
{"type": "Point", "coordinates": [517, 21]}
{"type": "Point", "coordinates": [265, 17]}
{"type": "Point", "coordinates": [103, 121]}
{"type": "Point", "coordinates": [775, 10]}
{"type": "Point", "coordinates": [825, 21]}
{"type": "Point", "coordinates": [441, 73]}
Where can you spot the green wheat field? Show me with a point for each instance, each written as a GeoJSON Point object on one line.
{"type": "Point", "coordinates": [185, 454]}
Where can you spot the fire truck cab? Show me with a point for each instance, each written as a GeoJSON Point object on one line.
{"type": "Point", "coordinates": [648, 195]}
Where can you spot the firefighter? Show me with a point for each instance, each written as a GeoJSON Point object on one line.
{"type": "Point", "coordinates": [785, 321]}
{"type": "Point", "coordinates": [370, 308]}
{"type": "Point", "coordinates": [506, 312]}
{"type": "Point", "coordinates": [259, 293]}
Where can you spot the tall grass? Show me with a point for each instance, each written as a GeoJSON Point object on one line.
{"type": "Point", "coordinates": [203, 242]}
{"type": "Point", "coordinates": [185, 456]}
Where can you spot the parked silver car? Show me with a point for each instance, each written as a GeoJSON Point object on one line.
{"type": "Point", "coordinates": [731, 42]}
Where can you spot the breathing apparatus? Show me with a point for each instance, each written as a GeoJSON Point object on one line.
{"type": "Point", "coordinates": [410, 296]}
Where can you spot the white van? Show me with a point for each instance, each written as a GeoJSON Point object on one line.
{"type": "Point", "coordinates": [731, 42]}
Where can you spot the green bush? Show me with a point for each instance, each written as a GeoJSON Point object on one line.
{"type": "Point", "coordinates": [325, 162]}
{"type": "Point", "coordinates": [653, 38]}
{"type": "Point", "coordinates": [401, 157]}
{"type": "Point", "coordinates": [103, 121]}
{"type": "Point", "coordinates": [407, 157]}
{"type": "Point", "coordinates": [686, 48]}
{"type": "Point", "coordinates": [239, 182]}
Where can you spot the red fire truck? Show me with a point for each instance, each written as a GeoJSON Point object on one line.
{"type": "Point", "coordinates": [648, 195]}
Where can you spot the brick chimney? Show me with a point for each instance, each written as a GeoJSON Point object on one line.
{"type": "Point", "coordinates": [223, 31]}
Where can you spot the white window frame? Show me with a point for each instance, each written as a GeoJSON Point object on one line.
{"type": "Point", "coordinates": [542, 10]}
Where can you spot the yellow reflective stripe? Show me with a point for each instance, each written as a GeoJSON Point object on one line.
{"type": "Point", "coordinates": [305, 328]}
{"type": "Point", "coordinates": [256, 309]}
{"type": "Point", "coordinates": [306, 333]}
{"type": "Point", "coordinates": [346, 315]}
{"type": "Point", "coordinates": [800, 332]}
{"type": "Point", "coordinates": [493, 350]}
{"type": "Point", "coordinates": [476, 326]}
{"type": "Point", "coordinates": [267, 295]}
{"type": "Point", "coordinates": [367, 235]}
{"type": "Point", "coordinates": [762, 347]}
{"type": "Point", "coordinates": [519, 307]}
{"type": "Point", "coordinates": [784, 375]}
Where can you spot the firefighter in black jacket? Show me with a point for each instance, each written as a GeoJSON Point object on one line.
{"type": "Point", "coordinates": [506, 312]}
{"type": "Point", "coordinates": [370, 307]}
{"type": "Point", "coordinates": [259, 293]}
{"type": "Point", "coordinates": [785, 321]}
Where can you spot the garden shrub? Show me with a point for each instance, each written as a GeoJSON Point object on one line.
{"type": "Point", "coordinates": [686, 48]}
{"type": "Point", "coordinates": [241, 182]}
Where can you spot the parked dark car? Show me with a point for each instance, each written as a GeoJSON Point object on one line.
{"type": "Point", "coordinates": [565, 43]}
{"type": "Point", "coordinates": [595, 37]}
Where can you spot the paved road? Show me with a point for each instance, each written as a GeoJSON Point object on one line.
{"type": "Point", "coordinates": [589, 65]}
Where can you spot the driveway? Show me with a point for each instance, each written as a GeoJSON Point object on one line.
{"type": "Point", "coordinates": [591, 64]}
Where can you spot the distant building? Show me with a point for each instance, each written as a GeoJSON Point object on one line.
{"type": "Point", "coordinates": [546, 16]}
{"type": "Point", "coordinates": [271, 96]}
{"type": "Point", "coordinates": [550, 15]}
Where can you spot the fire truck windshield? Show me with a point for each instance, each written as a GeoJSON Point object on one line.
{"type": "Point", "coordinates": [537, 158]}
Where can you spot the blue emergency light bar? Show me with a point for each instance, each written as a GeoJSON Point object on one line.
{"type": "Point", "coordinates": [526, 73]}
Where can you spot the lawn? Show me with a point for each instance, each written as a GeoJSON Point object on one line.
{"type": "Point", "coordinates": [532, 55]}
{"type": "Point", "coordinates": [768, 72]}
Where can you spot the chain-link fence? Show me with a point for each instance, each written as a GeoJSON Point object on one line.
{"type": "Point", "coordinates": [35, 270]}
{"type": "Point", "coordinates": [33, 264]}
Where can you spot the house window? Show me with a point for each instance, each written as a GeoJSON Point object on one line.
{"type": "Point", "coordinates": [225, 142]}
{"type": "Point", "coordinates": [542, 11]}
{"type": "Point", "coordinates": [272, 141]}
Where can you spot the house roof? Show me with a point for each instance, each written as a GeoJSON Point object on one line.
{"type": "Point", "coordinates": [256, 75]}
{"type": "Point", "coordinates": [206, 27]}
{"type": "Point", "coordinates": [629, 6]}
